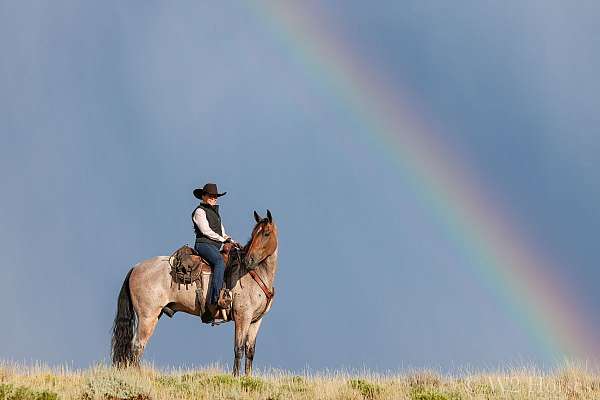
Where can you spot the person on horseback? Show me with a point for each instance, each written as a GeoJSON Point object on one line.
{"type": "Point", "coordinates": [211, 240]}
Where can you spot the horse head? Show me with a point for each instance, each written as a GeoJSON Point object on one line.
{"type": "Point", "coordinates": [263, 242]}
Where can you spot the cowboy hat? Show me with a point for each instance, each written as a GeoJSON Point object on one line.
{"type": "Point", "coordinates": [209, 188]}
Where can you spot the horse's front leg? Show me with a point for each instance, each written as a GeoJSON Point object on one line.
{"type": "Point", "coordinates": [241, 332]}
{"type": "Point", "coordinates": [250, 345]}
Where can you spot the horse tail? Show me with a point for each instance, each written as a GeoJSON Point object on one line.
{"type": "Point", "coordinates": [124, 325]}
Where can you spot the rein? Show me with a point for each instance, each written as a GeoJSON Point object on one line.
{"type": "Point", "coordinates": [269, 293]}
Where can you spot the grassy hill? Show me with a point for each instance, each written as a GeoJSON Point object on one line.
{"type": "Point", "coordinates": [43, 383]}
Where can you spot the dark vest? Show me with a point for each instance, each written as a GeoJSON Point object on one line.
{"type": "Point", "coordinates": [214, 221]}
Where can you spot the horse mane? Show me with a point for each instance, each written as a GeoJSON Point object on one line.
{"type": "Point", "coordinates": [242, 252]}
{"type": "Point", "coordinates": [236, 262]}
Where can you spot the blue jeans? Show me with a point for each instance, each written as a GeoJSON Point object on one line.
{"type": "Point", "coordinates": [211, 254]}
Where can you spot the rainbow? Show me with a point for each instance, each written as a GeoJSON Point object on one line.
{"type": "Point", "coordinates": [518, 275]}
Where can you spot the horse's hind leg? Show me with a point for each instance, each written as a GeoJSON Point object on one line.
{"type": "Point", "coordinates": [250, 345]}
{"type": "Point", "coordinates": [145, 329]}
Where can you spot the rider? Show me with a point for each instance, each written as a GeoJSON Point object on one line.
{"type": "Point", "coordinates": [210, 240]}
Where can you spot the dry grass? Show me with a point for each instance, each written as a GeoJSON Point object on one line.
{"type": "Point", "coordinates": [19, 382]}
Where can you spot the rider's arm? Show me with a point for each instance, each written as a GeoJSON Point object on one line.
{"type": "Point", "coordinates": [226, 236]}
{"type": "Point", "coordinates": [202, 223]}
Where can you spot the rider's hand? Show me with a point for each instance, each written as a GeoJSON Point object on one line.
{"type": "Point", "coordinates": [227, 246]}
{"type": "Point", "coordinates": [229, 240]}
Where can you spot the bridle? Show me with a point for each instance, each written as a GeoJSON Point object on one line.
{"type": "Point", "coordinates": [249, 246]}
{"type": "Point", "coordinates": [269, 293]}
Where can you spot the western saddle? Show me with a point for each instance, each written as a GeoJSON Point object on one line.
{"type": "Point", "coordinates": [187, 266]}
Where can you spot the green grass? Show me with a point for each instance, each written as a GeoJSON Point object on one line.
{"type": "Point", "coordinates": [432, 394]}
{"type": "Point", "coordinates": [368, 390]}
{"type": "Point", "coordinates": [10, 392]}
{"type": "Point", "coordinates": [18, 382]}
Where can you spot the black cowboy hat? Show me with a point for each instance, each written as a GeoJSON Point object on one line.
{"type": "Point", "coordinates": [209, 188]}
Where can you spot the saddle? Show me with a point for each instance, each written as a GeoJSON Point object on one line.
{"type": "Point", "coordinates": [187, 266]}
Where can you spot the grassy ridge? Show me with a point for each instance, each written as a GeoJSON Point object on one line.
{"type": "Point", "coordinates": [42, 383]}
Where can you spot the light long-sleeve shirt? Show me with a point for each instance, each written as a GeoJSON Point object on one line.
{"type": "Point", "coordinates": [202, 224]}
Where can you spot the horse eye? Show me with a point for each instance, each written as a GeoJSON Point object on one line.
{"type": "Point", "coordinates": [267, 233]}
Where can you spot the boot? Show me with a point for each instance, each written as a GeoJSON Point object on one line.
{"type": "Point", "coordinates": [209, 313]}
{"type": "Point", "coordinates": [225, 299]}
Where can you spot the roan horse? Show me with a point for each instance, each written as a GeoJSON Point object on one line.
{"type": "Point", "coordinates": [148, 288]}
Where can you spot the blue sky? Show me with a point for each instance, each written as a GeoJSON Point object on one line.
{"type": "Point", "coordinates": [112, 113]}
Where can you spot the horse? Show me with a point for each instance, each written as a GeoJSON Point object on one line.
{"type": "Point", "coordinates": [148, 289]}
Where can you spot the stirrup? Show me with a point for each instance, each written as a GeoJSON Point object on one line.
{"type": "Point", "coordinates": [208, 315]}
{"type": "Point", "coordinates": [218, 321]}
{"type": "Point", "coordinates": [216, 317]}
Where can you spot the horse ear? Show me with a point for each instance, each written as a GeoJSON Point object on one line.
{"type": "Point", "coordinates": [269, 216]}
{"type": "Point", "coordinates": [257, 217]}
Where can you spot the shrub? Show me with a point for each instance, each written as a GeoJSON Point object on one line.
{"type": "Point", "coordinates": [422, 393]}
{"type": "Point", "coordinates": [174, 383]}
{"type": "Point", "coordinates": [366, 389]}
{"type": "Point", "coordinates": [113, 387]}
{"type": "Point", "coordinates": [251, 384]}
{"type": "Point", "coordinates": [5, 390]}
{"type": "Point", "coordinates": [223, 380]}
{"type": "Point", "coordinates": [9, 392]}
{"type": "Point", "coordinates": [167, 380]}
